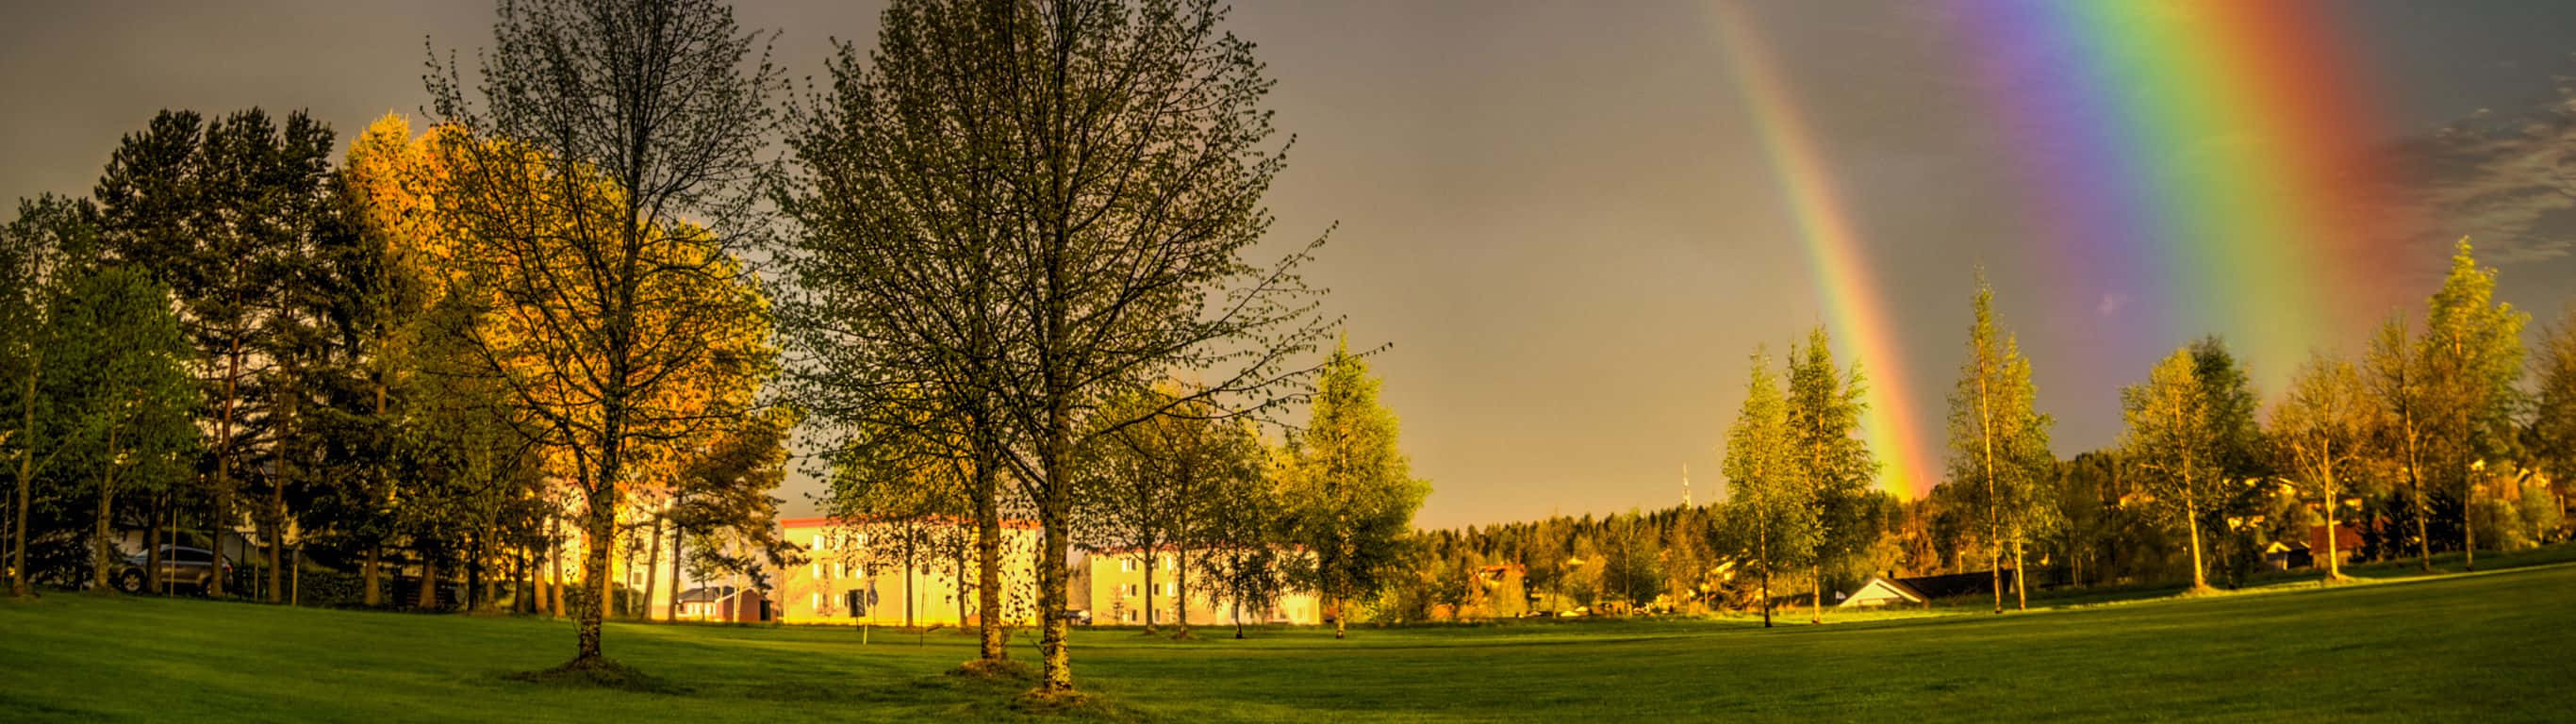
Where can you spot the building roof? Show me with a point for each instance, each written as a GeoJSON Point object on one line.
{"type": "Point", "coordinates": [1956, 584]}
{"type": "Point", "coordinates": [2346, 537]}
{"type": "Point", "coordinates": [1889, 585]}
{"type": "Point", "coordinates": [706, 594]}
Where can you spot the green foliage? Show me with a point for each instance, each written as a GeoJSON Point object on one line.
{"type": "Point", "coordinates": [1999, 454]}
{"type": "Point", "coordinates": [1767, 507]}
{"type": "Point", "coordinates": [1351, 493]}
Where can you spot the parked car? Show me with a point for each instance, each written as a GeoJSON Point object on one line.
{"type": "Point", "coordinates": [180, 566]}
{"type": "Point", "coordinates": [1078, 617]}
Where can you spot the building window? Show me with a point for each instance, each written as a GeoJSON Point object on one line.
{"type": "Point", "coordinates": [1127, 565]}
{"type": "Point", "coordinates": [817, 602]}
{"type": "Point", "coordinates": [840, 570]}
{"type": "Point", "coordinates": [1132, 589]}
{"type": "Point", "coordinates": [818, 541]}
{"type": "Point", "coordinates": [817, 572]}
{"type": "Point", "coordinates": [1166, 588]}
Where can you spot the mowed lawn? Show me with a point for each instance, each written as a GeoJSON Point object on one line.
{"type": "Point", "coordinates": [2496, 646]}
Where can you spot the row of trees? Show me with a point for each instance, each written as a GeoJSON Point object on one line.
{"type": "Point", "coordinates": [1011, 228]}
{"type": "Point", "coordinates": [448, 347]}
{"type": "Point", "coordinates": [2432, 442]}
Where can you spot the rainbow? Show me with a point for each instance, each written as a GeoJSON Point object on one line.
{"type": "Point", "coordinates": [2181, 169]}
{"type": "Point", "coordinates": [2217, 161]}
{"type": "Point", "coordinates": [1853, 309]}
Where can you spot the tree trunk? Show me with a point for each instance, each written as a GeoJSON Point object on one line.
{"type": "Point", "coordinates": [1341, 615]}
{"type": "Point", "coordinates": [673, 612]}
{"type": "Point", "coordinates": [2021, 584]}
{"type": "Point", "coordinates": [26, 475]}
{"type": "Point", "coordinates": [1181, 586]}
{"type": "Point", "coordinates": [224, 463]}
{"type": "Point", "coordinates": [653, 569]}
{"type": "Point", "coordinates": [2469, 531]}
{"type": "Point", "coordinates": [994, 639]}
{"type": "Point", "coordinates": [427, 600]}
{"type": "Point", "coordinates": [2334, 560]}
{"type": "Point", "coordinates": [2191, 521]}
{"type": "Point", "coordinates": [554, 561]}
{"type": "Point", "coordinates": [152, 549]}
{"type": "Point", "coordinates": [105, 549]}
{"type": "Point", "coordinates": [1055, 660]}
{"type": "Point", "coordinates": [913, 535]}
{"type": "Point", "coordinates": [375, 561]}
{"type": "Point", "coordinates": [1762, 543]}
{"type": "Point", "coordinates": [599, 519]}
{"type": "Point", "coordinates": [1150, 560]}
{"type": "Point", "coordinates": [1816, 608]}
{"type": "Point", "coordinates": [987, 521]}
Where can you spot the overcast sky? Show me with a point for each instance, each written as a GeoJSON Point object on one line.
{"type": "Point", "coordinates": [1558, 213]}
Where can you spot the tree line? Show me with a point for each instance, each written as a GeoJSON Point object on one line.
{"type": "Point", "coordinates": [2445, 436]}
{"type": "Point", "coordinates": [1002, 264]}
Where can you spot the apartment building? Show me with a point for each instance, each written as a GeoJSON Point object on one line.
{"type": "Point", "coordinates": [856, 573]}
{"type": "Point", "coordinates": [1111, 585]}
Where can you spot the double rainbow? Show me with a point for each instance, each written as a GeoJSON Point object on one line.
{"type": "Point", "coordinates": [2182, 168]}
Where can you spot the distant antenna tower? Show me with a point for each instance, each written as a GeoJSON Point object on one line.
{"type": "Point", "coordinates": [1686, 485]}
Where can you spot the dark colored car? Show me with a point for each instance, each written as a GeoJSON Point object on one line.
{"type": "Point", "coordinates": [180, 566]}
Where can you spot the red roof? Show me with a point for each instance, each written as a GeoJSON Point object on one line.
{"type": "Point", "coordinates": [2346, 537]}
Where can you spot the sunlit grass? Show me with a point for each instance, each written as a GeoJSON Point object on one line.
{"type": "Point", "coordinates": [2492, 646]}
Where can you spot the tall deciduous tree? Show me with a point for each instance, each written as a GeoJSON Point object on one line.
{"type": "Point", "coordinates": [611, 171]}
{"type": "Point", "coordinates": [1999, 444]}
{"type": "Point", "coordinates": [1352, 494]}
{"type": "Point", "coordinates": [2322, 427]}
{"type": "Point", "coordinates": [2471, 357]}
{"type": "Point", "coordinates": [2190, 425]}
{"type": "Point", "coordinates": [2396, 376]}
{"type": "Point", "coordinates": [1049, 204]}
{"type": "Point", "coordinates": [2553, 423]}
{"type": "Point", "coordinates": [1765, 505]}
{"type": "Point", "coordinates": [1829, 462]}
{"type": "Point", "coordinates": [40, 251]}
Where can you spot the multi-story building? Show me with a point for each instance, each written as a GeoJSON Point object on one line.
{"type": "Point", "coordinates": [1111, 585]}
{"type": "Point", "coordinates": [854, 574]}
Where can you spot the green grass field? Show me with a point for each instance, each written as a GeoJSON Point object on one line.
{"type": "Point", "coordinates": [2490, 646]}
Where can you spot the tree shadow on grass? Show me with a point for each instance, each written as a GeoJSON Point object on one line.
{"type": "Point", "coordinates": [598, 673]}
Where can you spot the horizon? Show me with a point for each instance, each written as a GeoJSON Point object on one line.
{"type": "Point", "coordinates": [1597, 216]}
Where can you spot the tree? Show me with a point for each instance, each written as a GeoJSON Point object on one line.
{"type": "Point", "coordinates": [724, 493]}
{"type": "Point", "coordinates": [2553, 424]}
{"type": "Point", "coordinates": [2396, 376]}
{"type": "Point", "coordinates": [601, 125]}
{"type": "Point", "coordinates": [1829, 463]}
{"type": "Point", "coordinates": [2189, 426]}
{"type": "Point", "coordinates": [39, 251]}
{"type": "Point", "coordinates": [215, 211]}
{"type": "Point", "coordinates": [2472, 358]}
{"type": "Point", "coordinates": [2322, 427]}
{"type": "Point", "coordinates": [1999, 443]}
{"type": "Point", "coordinates": [125, 398]}
{"type": "Point", "coordinates": [1764, 503]}
{"type": "Point", "coordinates": [1049, 205]}
{"type": "Point", "coordinates": [1244, 564]}
{"type": "Point", "coordinates": [1163, 480]}
{"type": "Point", "coordinates": [1352, 494]}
